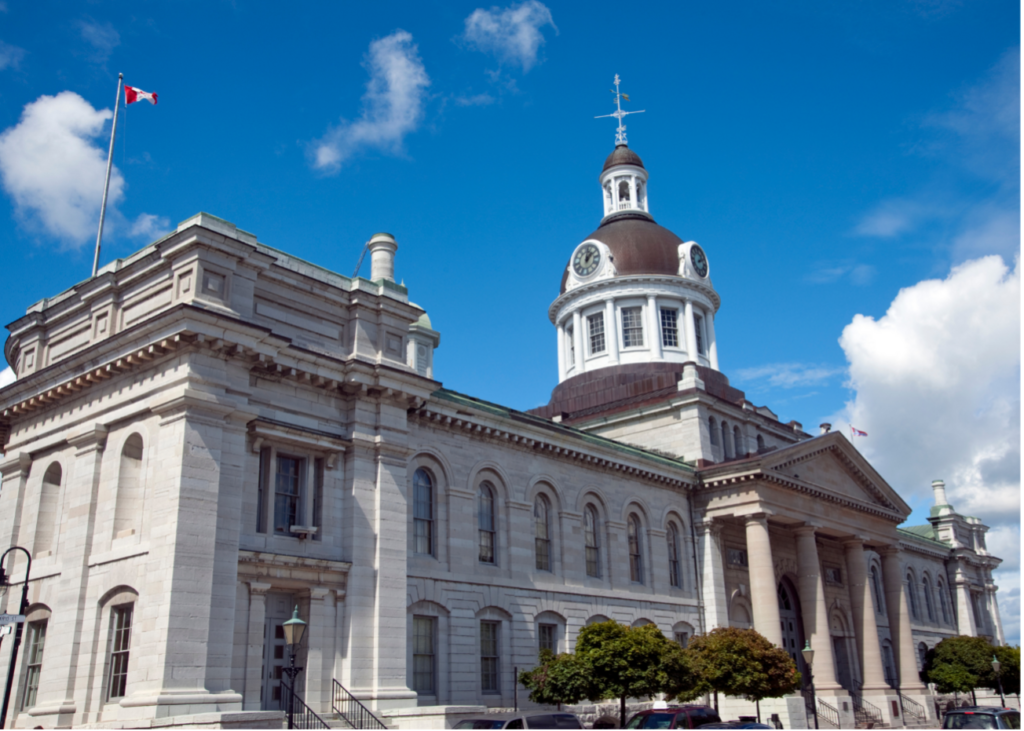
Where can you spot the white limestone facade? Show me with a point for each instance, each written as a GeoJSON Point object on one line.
{"type": "Point", "coordinates": [211, 433]}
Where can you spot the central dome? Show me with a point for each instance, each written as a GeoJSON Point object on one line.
{"type": "Point", "coordinates": [638, 245]}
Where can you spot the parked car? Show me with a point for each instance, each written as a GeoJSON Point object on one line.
{"type": "Point", "coordinates": [737, 724]}
{"type": "Point", "coordinates": [690, 716]}
{"type": "Point", "coordinates": [522, 720]}
{"type": "Point", "coordinates": [982, 717]}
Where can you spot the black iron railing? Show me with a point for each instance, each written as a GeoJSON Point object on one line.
{"type": "Point", "coordinates": [298, 714]}
{"type": "Point", "coordinates": [828, 714]}
{"type": "Point", "coordinates": [868, 715]}
{"type": "Point", "coordinates": [349, 708]}
{"type": "Point", "coordinates": [913, 709]}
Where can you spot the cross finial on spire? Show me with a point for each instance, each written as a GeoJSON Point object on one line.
{"type": "Point", "coordinates": [620, 133]}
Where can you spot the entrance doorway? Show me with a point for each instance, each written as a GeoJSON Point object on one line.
{"type": "Point", "coordinates": [841, 651]}
{"type": "Point", "coordinates": [792, 626]}
{"type": "Point", "coordinates": [275, 652]}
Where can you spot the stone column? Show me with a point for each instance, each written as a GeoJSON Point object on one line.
{"type": "Point", "coordinates": [814, 609]}
{"type": "Point", "coordinates": [993, 608]}
{"type": "Point", "coordinates": [561, 353]}
{"type": "Point", "coordinates": [763, 590]}
{"type": "Point", "coordinates": [865, 627]}
{"type": "Point", "coordinates": [577, 338]}
{"type": "Point", "coordinates": [321, 650]}
{"type": "Point", "coordinates": [654, 325]}
{"type": "Point", "coordinates": [716, 607]}
{"type": "Point", "coordinates": [899, 621]}
{"type": "Point", "coordinates": [964, 611]}
{"type": "Point", "coordinates": [691, 332]}
{"type": "Point", "coordinates": [254, 649]}
{"type": "Point", "coordinates": [611, 331]}
{"type": "Point", "coordinates": [709, 319]}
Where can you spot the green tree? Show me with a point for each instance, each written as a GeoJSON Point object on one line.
{"type": "Point", "coordinates": [558, 679]}
{"type": "Point", "coordinates": [959, 665]}
{"type": "Point", "coordinates": [1009, 673]}
{"type": "Point", "coordinates": [740, 662]}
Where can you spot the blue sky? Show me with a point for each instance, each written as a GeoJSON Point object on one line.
{"type": "Point", "coordinates": [851, 169]}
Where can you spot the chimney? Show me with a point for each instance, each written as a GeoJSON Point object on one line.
{"type": "Point", "coordinates": [939, 488]}
{"type": "Point", "coordinates": [382, 257]}
{"type": "Point", "coordinates": [825, 428]}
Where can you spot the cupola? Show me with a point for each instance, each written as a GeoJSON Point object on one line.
{"type": "Point", "coordinates": [624, 182]}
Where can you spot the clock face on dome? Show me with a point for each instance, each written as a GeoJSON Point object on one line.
{"type": "Point", "coordinates": [586, 259]}
{"type": "Point", "coordinates": [699, 261]}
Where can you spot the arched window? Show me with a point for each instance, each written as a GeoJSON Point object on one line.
{"type": "Point", "coordinates": [737, 442]}
{"type": "Point", "coordinates": [929, 604]}
{"type": "Point", "coordinates": [624, 190]}
{"type": "Point", "coordinates": [485, 522]}
{"type": "Point", "coordinates": [713, 430]}
{"type": "Point", "coordinates": [922, 654]}
{"type": "Point", "coordinates": [726, 452]}
{"type": "Point", "coordinates": [915, 611]}
{"type": "Point", "coordinates": [46, 520]}
{"type": "Point", "coordinates": [636, 564]}
{"type": "Point", "coordinates": [944, 602]}
{"type": "Point", "coordinates": [673, 556]}
{"type": "Point", "coordinates": [423, 512]}
{"type": "Point", "coordinates": [591, 539]}
{"type": "Point", "coordinates": [542, 532]}
{"type": "Point", "coordinates": [129, 487]}
{"type": "Point", "coordinates": [760, 444]}
{"type": "Point", "coordinates": [876, 591]}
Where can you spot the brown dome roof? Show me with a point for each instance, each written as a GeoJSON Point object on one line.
{"type": "Point", "coordinates": [622, 155]}
{"type": "Point", "coordinates": [638, 245]}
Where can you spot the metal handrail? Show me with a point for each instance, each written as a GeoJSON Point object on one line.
{"type": "Point", "coordinates": [299, 714]}
{"type": "Point", "coordinates": [865, 710]}
{"type": "Point", "coordinates": [830, 714]}
{"type": "Point", "coordinates": [355, 713]}
{"type": "Point", "coordinates": [913, 708]}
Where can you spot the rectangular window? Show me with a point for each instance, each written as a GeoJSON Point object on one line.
{"type": "Point", "coordinates": [489, 657]}
{"type": "Point", "coordinates": [698, 328]}
{"type": "Point", "coordinates": [36, 640]}
{"type": "Point", "coordinates": [669, 327]}
{"type": "Point", "coordinates": [737, 556]}
{"type": "Point", "coordinates": [423, 633]}
{"type": "Point", "coordinates": [543, 550]}
{"type": "Point", "coordinates": [596, 325]}
{"type": "Point", "coordinates": [120, 640]}
{"type": "Point", "coordinates": [632, 327]}
{"type": "Point", "coordinates": [261, 520]}
{"type": "Point", "coordinates": [572, 345]}
{"type": "Point", "coordinates": [287, 494]}
{"type": "Point", "coordinates": [682, 638]}
{"type": "Point", "coordinates": [593, 562]}
{"type": "Point", "coordinates": [318, 496]}
{"type": "Point", "coordinates": [546, 634]}
{"type": "Point", "coordinates": [833, 576]}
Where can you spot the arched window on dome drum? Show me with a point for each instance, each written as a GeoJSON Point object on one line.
{"type": "Point", "coordinates": [726, 452]}
{"type": "Point", "coordinates": [423, 512]}
{"type": "Point", "coordinates": [485, 522]}
{"type": "Point", "coordinates": [541, 532]}
{"type": "Point", "coordinates": [929, 603]}
{"type": "Point", "coordinates": [673, 555]}
{"type": "Point", "coordinates": [636, 564]}
{"type": "Point", "coordinates": [591, 538]}
{"type": "Point", "coordinates": [713, 430]}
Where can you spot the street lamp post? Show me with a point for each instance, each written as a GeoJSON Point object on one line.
{"type": "Point", "coordinates": [996, 667]}
{"type": "Point", "coordinates": [5, 584]}
{"type": "Point", "coordinates": [808, 654]}
{"type": "Point", "coordinates": [294, 628]}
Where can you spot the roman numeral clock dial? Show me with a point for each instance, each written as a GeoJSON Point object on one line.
{"type": "Point", "coordinates": [586, 260]}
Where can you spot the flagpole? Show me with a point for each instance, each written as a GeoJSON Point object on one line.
{"type": "Point", "coordinates": [106, 184]}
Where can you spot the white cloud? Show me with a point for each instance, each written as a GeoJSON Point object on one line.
{"type": "Point", "coordinates": [477, 100]}
{"type": "Point", "coordinates": [513, 34]}
{"type": "Point", "coordinates": [149, 227]}
{"type": "Point", "coordinates": [52, 169]}
{"type": "Point", "coordinates": [787, 375]}
{"type": "Point", "coordinates": [392, 105]}
{"type": "Point", "coordinates": [10, 56]}
{"type": "Point", "coordinates": [103, 38]}
{"type": "Point", "coordinates": [936, 383]}
{"type": "Point", "coordinates": [893, 218]}
{"type": "Point", "coordinates": [6, 377]}
{"type": "Point", "coordinates": [858, 274]}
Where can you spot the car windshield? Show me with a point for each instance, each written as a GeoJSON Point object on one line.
{"type": "Point", "coordinates": [651, 720]}
{"type": "Point", "coordinates": [1010, 720]}
{"type": "Point", "coordinates": [555, 720]}
{"type": "Point", "coordinates": [970, 720]}
{"type": "Point", "coordinates": [480, 723]}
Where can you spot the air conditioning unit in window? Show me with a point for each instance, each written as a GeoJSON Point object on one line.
{"type": "Point", "coordinates": [306, 531]}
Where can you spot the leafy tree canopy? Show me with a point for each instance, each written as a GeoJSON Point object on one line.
{"type": "Point", "coordinates": [1009, 673]}
{"type": "Point", "coordinates": [741, 662]}
{"type": "Point", "coordinates": [960, 664]}
{"type": "Point", "coordinates": [563, 678]}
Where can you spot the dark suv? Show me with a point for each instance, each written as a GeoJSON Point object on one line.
{"type": "Point", "coordinates": [674, 717]}
{"type": "Point", "coordinates": [982, 717]}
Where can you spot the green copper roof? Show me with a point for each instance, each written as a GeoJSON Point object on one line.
{"type": "Point", "coordinates": [445, 394]}
{"type": "Point", "coordinates": [923, 532]}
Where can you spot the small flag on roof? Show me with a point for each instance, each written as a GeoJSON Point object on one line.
{"type": "Point", "coordinates": [857, 432]}
{"type": "Point", "coordinates": [133, 94]}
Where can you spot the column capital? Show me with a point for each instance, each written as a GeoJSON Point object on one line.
{"type": "Point", "coordinates": [710, 525]}
{"type": "Point", "coordinates": [318, 593]}
{"type": "Point", "coordinates": [888, 551]}
{"type": "Point", "coordinates": [258, 588]}
{"type": "Point", "coordinates": [761, 518]}
{"type": "Point", "coordinates": [806, 529]}
{"type": "Point", "coordinates": [854, 542]}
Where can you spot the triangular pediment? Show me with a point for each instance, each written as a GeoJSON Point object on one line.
{"type": "Point", "coordinates": [831, 464]}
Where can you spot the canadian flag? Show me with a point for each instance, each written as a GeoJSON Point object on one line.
{"type": "Point", "coordinates": [132, 94]}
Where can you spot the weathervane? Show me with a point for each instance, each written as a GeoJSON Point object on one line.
{"type": "Point", "coordinates": [620, 133]}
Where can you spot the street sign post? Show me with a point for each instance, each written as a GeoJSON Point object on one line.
{"type": "Point", "coordinates": [11, 618]}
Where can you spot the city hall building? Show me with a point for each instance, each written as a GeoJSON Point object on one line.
{"type": "Point", "coordinates": [211, 432]}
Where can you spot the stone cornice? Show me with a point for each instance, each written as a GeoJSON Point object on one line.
{"type": "Point", "coordinates": [620, 282]}
{"type": "Point", "coordinates": [507, 434]}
